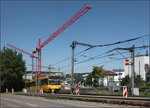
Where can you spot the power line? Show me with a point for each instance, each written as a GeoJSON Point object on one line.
{"type": "Point", "coordinates": [110, 60]}
{"type": "Point", "coordinates": [122, 41]}
{"type": "Point", "coordinates": [113, 54]}
{"type": "Point", "coordinates": [70, 56]}
{"type": "Point", "coordinates": [119, 42]}
{"type": "Point", "coordinates": [102, 57]}
{"type": "Point", "coordinates": [92, 59]}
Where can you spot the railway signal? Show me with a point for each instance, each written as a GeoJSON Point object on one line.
{"type": "Point", "coordinates": [126, 62]}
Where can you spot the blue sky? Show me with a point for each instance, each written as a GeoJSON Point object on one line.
{"type": "Point", "coordinates": [23, 23]}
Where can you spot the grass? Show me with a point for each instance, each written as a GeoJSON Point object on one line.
{"type": "Point", "coordinates": [142, 94]}
{"type": "Point", "coordinates": [52, 97]}
{"type": "Point", "coordinates": [47, 97]}
{"type": "Point", "coordinates": [106, 92]}
{"type": "Point", "coordinates": [145, 94]}
{"type": "Point", "coordinates": [109, 93]}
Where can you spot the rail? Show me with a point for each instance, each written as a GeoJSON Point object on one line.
{"type": "Point", "coordinates": [137, 101]}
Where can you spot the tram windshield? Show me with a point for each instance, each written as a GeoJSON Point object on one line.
{"type": "Point", "coordinates": [54, 81]}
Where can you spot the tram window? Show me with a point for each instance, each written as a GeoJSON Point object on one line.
{"type": "Point", "coordinates": [33, 83]}
{"type": "Point", "coordinates": [28, 84]}
{"type": "Point", "coordinates": [44, 82]}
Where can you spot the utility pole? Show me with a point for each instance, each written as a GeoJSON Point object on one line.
{"type": "Point", "coordinates": [74, 43]}
{"type": "Point", "coordinates": [119, 76]}
{"type": "Point", "coordinates": [131, 49]}
{"type": "Point", "coordinates": [72, 68]}
{"type": "Point", "coordinates": [132, 68]}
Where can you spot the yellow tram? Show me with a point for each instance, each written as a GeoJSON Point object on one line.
{"type": "Point", "coordinates": [47, 83]}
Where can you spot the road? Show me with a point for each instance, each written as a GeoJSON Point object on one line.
{"type": "Point", "coordinates": [14, 101]}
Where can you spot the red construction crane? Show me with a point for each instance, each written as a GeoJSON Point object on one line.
{"type": "Point", "coordinates": [31, 55]}
{"type": "Point", "coordinates": [49, 67]}
{"type": "Point", "coordinates": [61, 29]}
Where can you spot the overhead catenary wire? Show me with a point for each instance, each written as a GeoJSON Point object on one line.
{"type": "Point", "coordinates": [121, 54]}
{"type": "Point", "coordinates": [128, 48]}
{"type": "Point", "coordinates": [122, 41]}
{"type": "Point", "coordinates": [108, 52]}
{"type": "Point", "coordinates": [90, 47]}
{"type": "Point", "coordinates": [108, 61]}
{"type": "Point", "coordinates": [103, 56]}
{"type": "Point", "coordinates": [70, 56]}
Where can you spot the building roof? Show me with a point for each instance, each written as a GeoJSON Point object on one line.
{"type": "Point", "coordinates": [110, 73]}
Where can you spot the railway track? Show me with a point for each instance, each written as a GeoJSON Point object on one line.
{"type": "Point", "coordinates": [107, 97]}
{"type": "Point", "coordinates": [138, 101]}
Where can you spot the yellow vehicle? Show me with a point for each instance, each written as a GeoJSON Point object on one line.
{"type": "Point", "coordinates": [32, 84]}
{"type": "Point", "coordinates": [47, 83]}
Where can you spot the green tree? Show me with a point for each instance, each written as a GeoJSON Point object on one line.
{"type": "Point", "coordinates": [125, 81]}
{"type": "Point", "coordinates": [95, 75]}
{"type": "Point", "coordinates": [139, 80]}
{"type": "Point", "coordinates": [78, 77]}
{"type": "Point", "coordinates": [89, 80]}
{"type": "Point", "coordinates": [12, 70]}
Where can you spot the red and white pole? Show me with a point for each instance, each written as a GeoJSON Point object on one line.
{"type": "Point", "coordinates": [12, 90]}
{"type": "Point", "coordinates": [125, 93]}
{"type": "Point", "coordinates": [6, 90]}
{"type": "Point", "coordinates": [77, 90]}
{"type": "Point", "coordinates": [41, 90]}
{"type": "Point", "coordinates": [52, 92]}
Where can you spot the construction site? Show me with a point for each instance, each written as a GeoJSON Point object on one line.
{"type": "Point", "coordinates": [92, 51]}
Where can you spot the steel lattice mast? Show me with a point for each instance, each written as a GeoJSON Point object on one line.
{"type": "Point", "coordinates": [81, 12]}
{"type": "Point", "coordinates": [31, 55]}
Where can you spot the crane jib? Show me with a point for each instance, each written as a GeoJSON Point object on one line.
{"type": "Point", "coordinates": [66, 25]}
{"type": "Point", "coordinates": [20, 50]}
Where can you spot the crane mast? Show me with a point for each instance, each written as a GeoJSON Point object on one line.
{"type": "Point", "coordinates": [81, 12]}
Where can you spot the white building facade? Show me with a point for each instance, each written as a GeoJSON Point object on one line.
{"type": "Point", "coordinates": [120, 74]}
{"type": "Point", "coordinates": [28, 76]}
{"type": "Point", "coordinates": [140, 65]}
